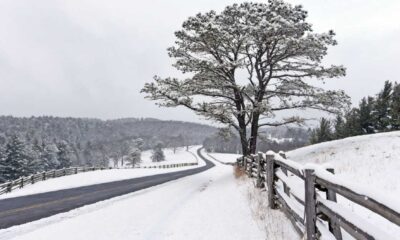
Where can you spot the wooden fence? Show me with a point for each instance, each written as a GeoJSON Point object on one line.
{"type": "Point", "coordinates": [175, 165]}
{"type": "Point", "coordinates": [42, 176]}
{"type": "Point", "coordinates": [308, 196]}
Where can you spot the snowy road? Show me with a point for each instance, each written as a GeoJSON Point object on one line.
{"type": "Point", "coordinates": [19, 210]}
{"type": "Point", "coordinates": [208, 205]}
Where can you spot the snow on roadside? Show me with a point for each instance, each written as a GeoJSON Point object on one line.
{"type": "Point", "coordinates": [103, 176]}
{"type": "Point", "coordinates": [209, 205]}
{"type": "Point", "coordinates": [225, 157]}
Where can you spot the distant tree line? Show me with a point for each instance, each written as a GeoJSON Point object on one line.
{"type": "Point", "coordinates": [30, 145]}
{"type": "Point", "coordinates": [272, 138]}
{"type": "Point", "coordinates": [380, 113]}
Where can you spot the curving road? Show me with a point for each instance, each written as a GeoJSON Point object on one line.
{"type": "Point", "coordinates": [20, 210]}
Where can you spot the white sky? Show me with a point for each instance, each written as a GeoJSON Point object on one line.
{"type": "Point", "coordinates": [90, 58]}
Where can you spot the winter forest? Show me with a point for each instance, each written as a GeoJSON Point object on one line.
{"type": "Point", "coordinates": [31, 145]}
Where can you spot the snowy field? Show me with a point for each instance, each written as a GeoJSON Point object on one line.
{"type": "Point", "coordinates": [180, 156]}
{"type": "Point", "coordinates": [90, 178]}
{"type": "Point", "coordinates": [209, 205]}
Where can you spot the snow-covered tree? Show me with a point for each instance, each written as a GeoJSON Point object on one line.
{"type": "Point", "coordinates": [366, 115]}
{"type": "Point", "coordinates": [135, 152]}
{"type": "Point", "coordinates": [64, 154]}
{"type": "Point", "coordinates": [2, 162]}
{"type": "Point", "coordinates": [395, 108]}
{"type": "Point", "coordinates": [247, 64]}
{"type": "Point", "coordinates": [382, 108]}
{"type": "Point", "coordinates": [14, 160]}
{"type": "Point", "coordinates": [339, 128]}
{"type": "Point", "coordinates": [134, 157]}
{"type": "Point", "coordinates": [323, 133]}
{"type": "Point", "coordinates": [157, 152]}
{"type": "Point", "coordinates": [49, 157]}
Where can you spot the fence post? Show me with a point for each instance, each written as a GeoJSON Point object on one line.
{"type": "Point", "coordinates": [310, 205]}
{"type": "Point", "coordinates": [270, 180]}
{"type": "Point", "coordinates": [76, 170]}
{"type": "Point", "coordinates": [286, 189]}
{"type": "Point", "coordinates": [44, 176]}
{"type": "Point", "coordinates": [54, 173]}
{"type": "Point", "coordinates": [259, 169]}
{"type": "Point", "coordinates": [64, 172]}
{"type": "Point", "coordinates": [21, 184]}
{"type": "Point", "coordinates": [245, 163]}
{"type": "Point", "coordinates": [32, 179]}
{"type": "Point", "coordinates": [333, 226]}
{"type": "Point", "coordinates": [9, 187]}
{"type": "Point", "coordinates": [250, 167]}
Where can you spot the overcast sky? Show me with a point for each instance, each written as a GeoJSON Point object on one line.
{"type": "Point", "coordinates": [90, 58]}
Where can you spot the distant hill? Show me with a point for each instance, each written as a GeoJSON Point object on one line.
{"type": "Point", "coordinates": [81, 130]}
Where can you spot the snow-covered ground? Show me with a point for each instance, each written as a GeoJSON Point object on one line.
{"type": "Point", "coordinates": [372, 162]}
{"type": "Point", "coordinates": [171, 157]}
{"type": "Point", "coordinates": [224, 157]}
{"type": "Point", "coordinates": [209, 205]}
{"type": "Point", "coordinates": [90, 178]}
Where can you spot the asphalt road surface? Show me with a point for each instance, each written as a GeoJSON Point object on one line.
{"type": "Point", "coordinates": [20, 210]}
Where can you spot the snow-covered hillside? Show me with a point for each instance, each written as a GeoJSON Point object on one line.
{"type": "Point", "coordinates": [371, 162]}
{"type": "Point", "coordinates": [103, 176]}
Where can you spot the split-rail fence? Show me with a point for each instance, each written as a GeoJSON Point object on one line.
{"type": "Point", "coordinates": [308, 196]}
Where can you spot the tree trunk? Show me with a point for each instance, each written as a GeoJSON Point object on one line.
{"type": "Point", "coordinates": [254, 133]}
{"type": "Point", "coordinates": [243, 136]}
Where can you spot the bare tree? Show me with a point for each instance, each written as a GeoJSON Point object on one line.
{"type": "Point", "coordinates": [247, 64]}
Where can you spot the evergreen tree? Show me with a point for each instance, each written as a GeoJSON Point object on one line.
{"type": "Point", "coordinates": [340, 131]}
{"type": "Point", "coordinates": [395, 108]}
{"type": "Point", "coordinates": [366, 118]}
{"type": "Point", "coordinates": [324, 132]}
{"type": "Point", "coordinates": [50, 161]}
{"type": "Point", "coordinates": [157, 152]}
{"type": "Point", "coordinates": [2, 162]}
{"type": "Point", "coordinates": [64, 154]}
{"type": "Point", "coordinates": [352, 125]}
{"type": "Point", "coordinates": [88, 154]}
{"type": "Point", "coordinates": [382, 108]}
{"type": "Point", "coordinates": [15, 160]}
{"type": "Point", "coordinates": [37, 151]}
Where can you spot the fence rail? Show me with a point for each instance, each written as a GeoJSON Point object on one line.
{"type": "Point", "coordinates": [308, 196]}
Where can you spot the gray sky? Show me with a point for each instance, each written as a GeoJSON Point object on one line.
{"type": "Point", "coordinates": [90, 58]}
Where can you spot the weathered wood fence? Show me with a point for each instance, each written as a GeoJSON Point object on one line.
{"type": "Point", "coordinates": [308, 196]}
{"type": "Point", "coordinates": [174, 165]}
